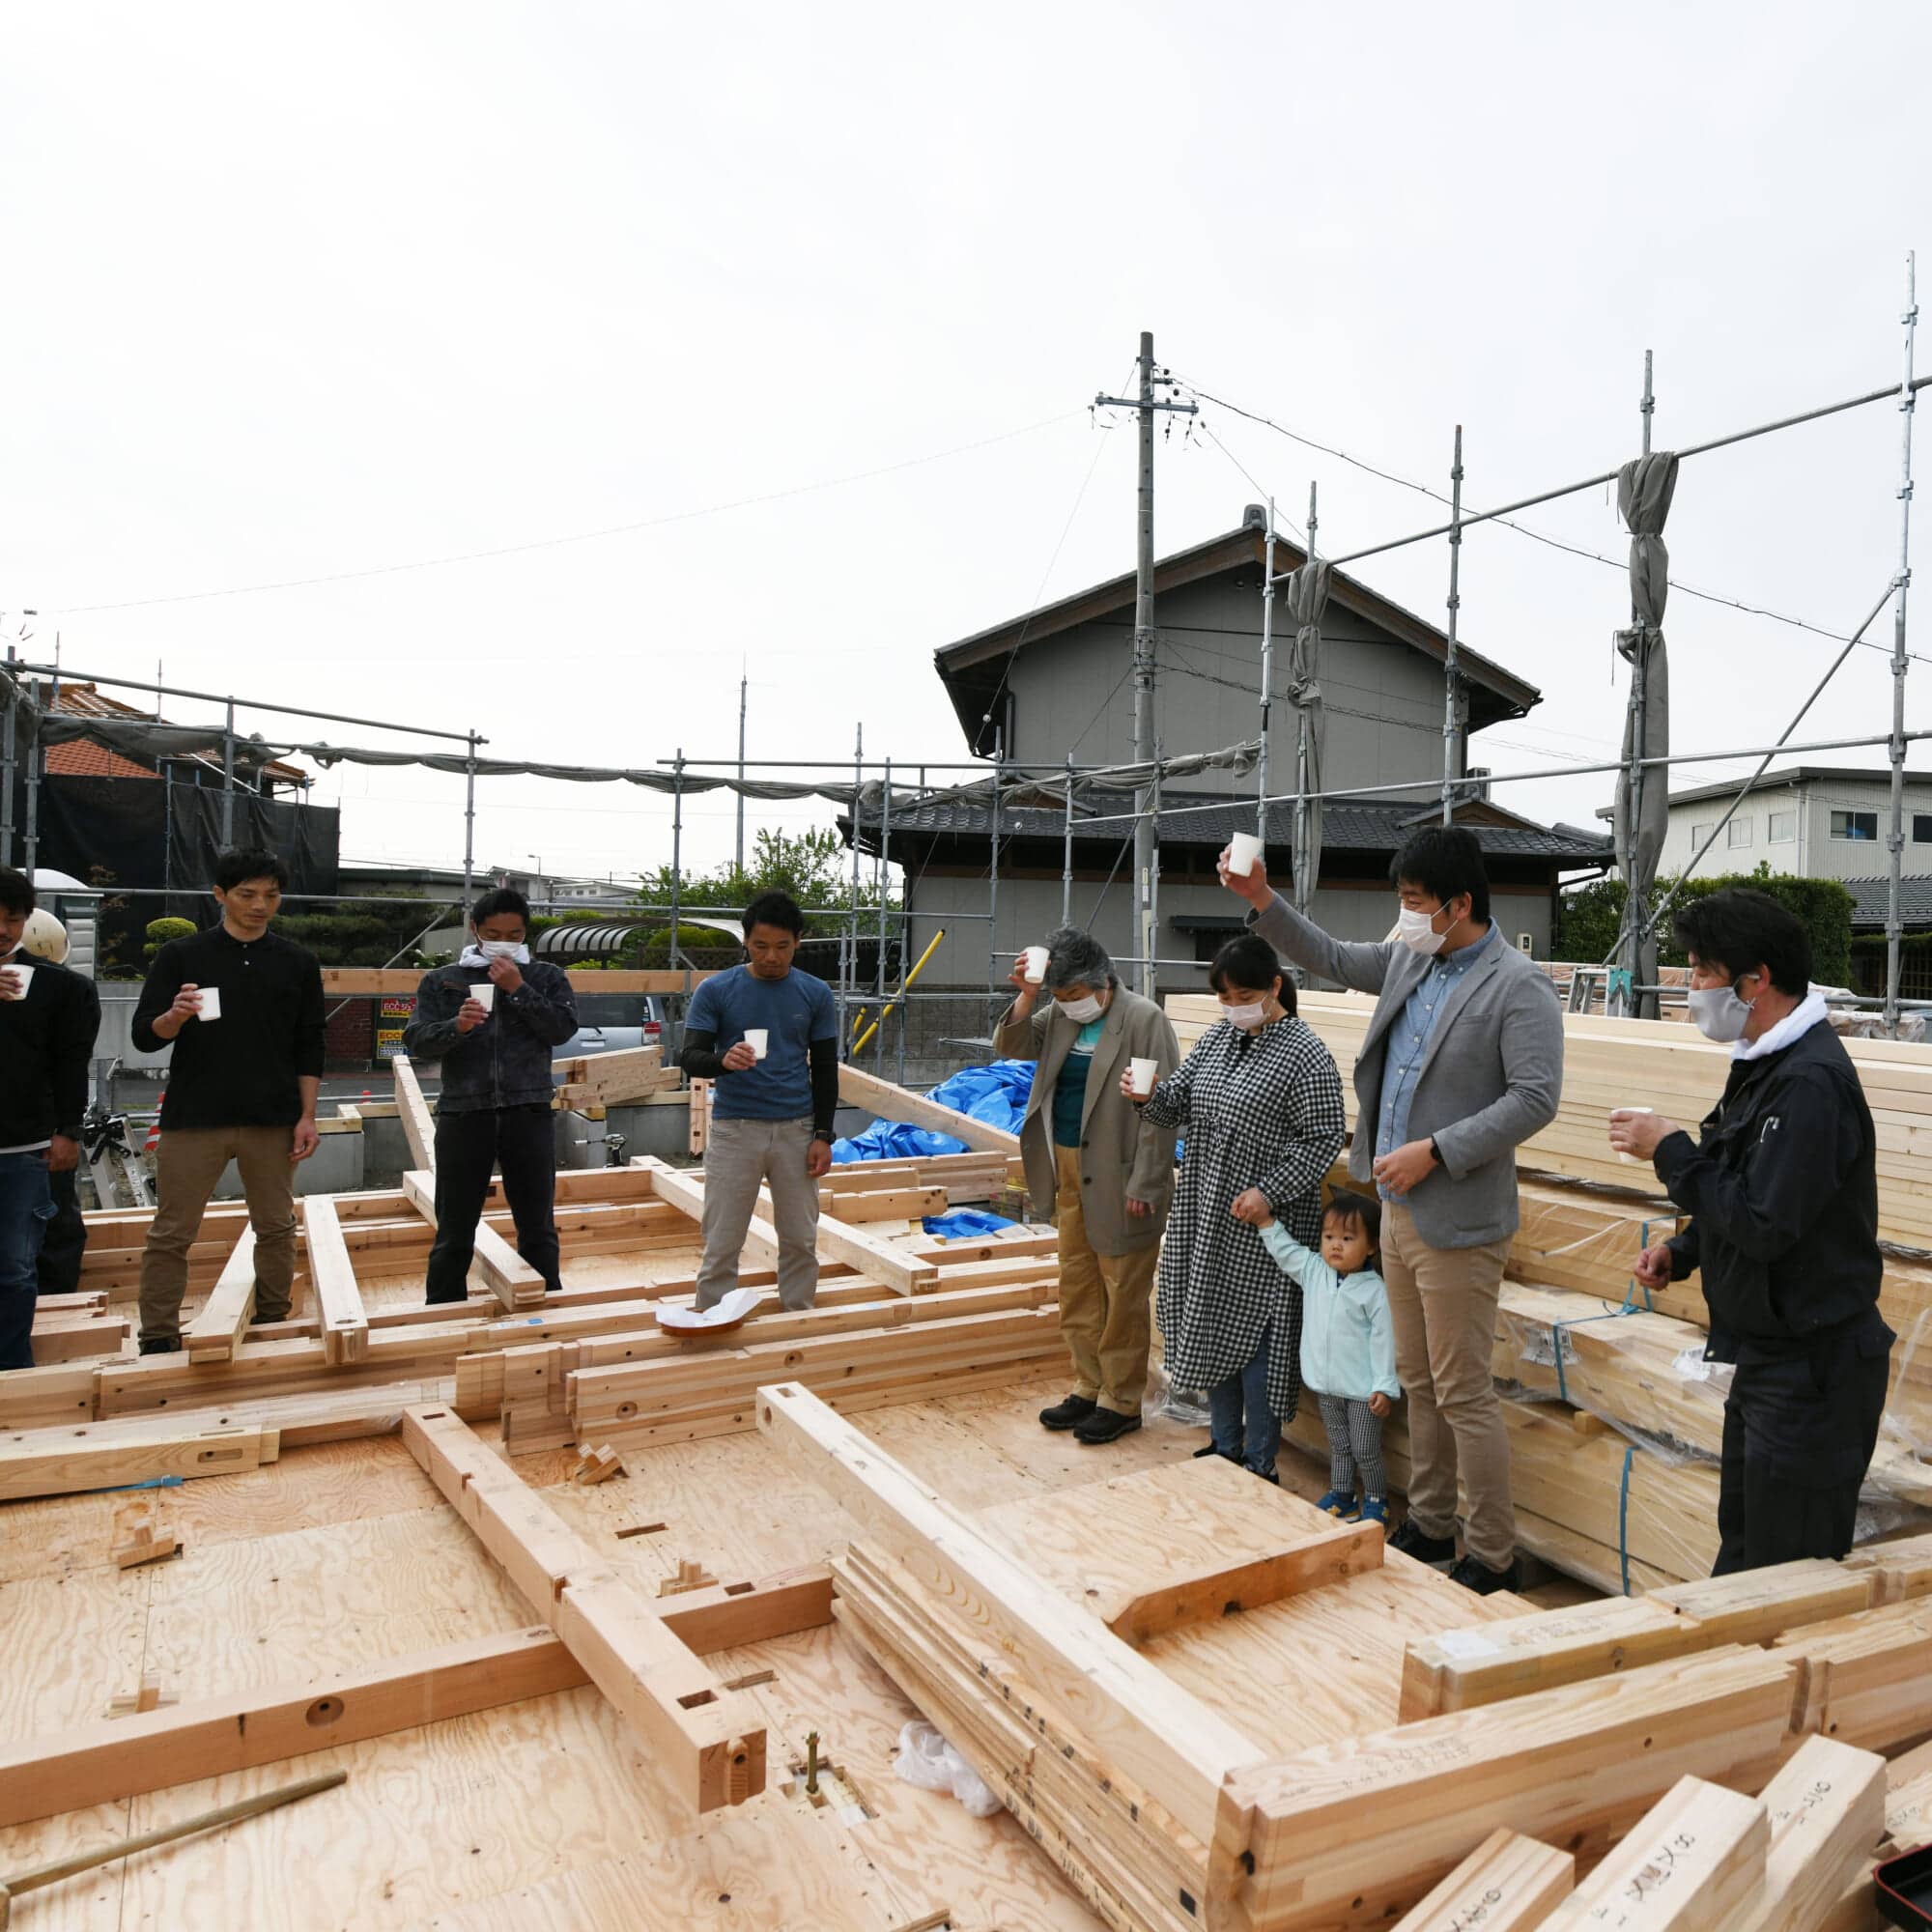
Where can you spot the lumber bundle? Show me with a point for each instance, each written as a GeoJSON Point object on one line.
{"type": "Point", "coordinates": [885, 1101]}
{"type": "Point", "coordinates": [1612, 1063]}
{"type": "Point", "coordinates": [608, 1079]}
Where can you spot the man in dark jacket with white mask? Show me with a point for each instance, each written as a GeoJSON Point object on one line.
{"type": "Point", "coordinates": [1781, 1186]}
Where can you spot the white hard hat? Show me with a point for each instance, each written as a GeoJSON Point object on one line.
{"type": "Point", "coordinates": [44, 936]}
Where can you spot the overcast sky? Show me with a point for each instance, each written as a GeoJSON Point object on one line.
{"type": "Point", "coordinates": [302, 294]}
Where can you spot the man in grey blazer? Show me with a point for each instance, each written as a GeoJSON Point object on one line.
{"type": "Point", "coordinates": [1463, 1061]}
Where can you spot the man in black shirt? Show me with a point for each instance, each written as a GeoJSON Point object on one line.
{"type": "Point", "coordinates": [1781, 1186]}
{"type": "Point", "coordinates": [243, 1010]}
{"type": "Point", "coordinates": [48, 1017]}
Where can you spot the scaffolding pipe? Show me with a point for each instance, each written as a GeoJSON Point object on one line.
{"type": "Point", "coordinates": [1451, 706]}
{"type": "Point", "coordinates": [1154, 879]}
{"type": "Point", "coordinates": [897, 999]}
{"type": "Point", "coordinates": [885, 886]}
{"type": "Point", "coordinates": [849, 939]}
{"type": "Point", "coordinates": [1888, 392]}
{"type": "Point", "coordinates": [1654, 919]}
{"type": "Point", "coordinates": [228, 776]}
{"type": "Point", "coordinates": [1301, 886]}
{"type": "Point", "coordinates": [1631, 936]}
{"type": "Point", "coordinates": [7, 749]}
{"type": "Point", "coordinates": [1067, 852]}
{"type": "Point", "coordinates": [35, 760]}
{"type": "Point", "coordinates": [676, 854]}
{"type": "Point", "coordinates": [993, 881]}
{"type": "Point", "coordinates": [1267, 681]}
{"type": "Point", "coordinates": [470, 824]}
{"type": "Point", "coordinates": [1893, 923]}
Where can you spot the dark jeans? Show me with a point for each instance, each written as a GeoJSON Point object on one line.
{"type": "Point", "coordinates": [1241, 1425]}
{"type": "Point", "coordinates": [1798, 1436]}
{"type": "Point", "coordinates": [521, 1139]}
{"type": "Point", "coordinates": [25, 1210]}
{"type": "Point", "coordinates": [66, 1238]}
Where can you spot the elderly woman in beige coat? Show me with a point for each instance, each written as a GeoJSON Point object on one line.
{"type": "Point", "coordinates": [1094, 1163]}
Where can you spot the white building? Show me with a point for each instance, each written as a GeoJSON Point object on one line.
{"type": "Point", "coordinates": [1815, 822]}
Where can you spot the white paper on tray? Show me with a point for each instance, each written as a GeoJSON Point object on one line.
{"type": "Point", "coordinates": [735, 1306]}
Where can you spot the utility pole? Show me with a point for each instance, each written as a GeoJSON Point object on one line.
{"type": "Point", "coordinates": [743, 687]}
{"type": "Point", "coordinates": [1146, 405]}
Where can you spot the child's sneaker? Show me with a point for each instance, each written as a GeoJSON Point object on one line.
{"type": "Point", "coordinates": [1374, 1508]}
{"type": "Point", "coordinates": [1338, 1503]}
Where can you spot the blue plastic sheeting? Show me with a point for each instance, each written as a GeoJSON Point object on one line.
{"type": "Point", "coordinates": [996, 1095]}
{"type": "Point", "coordinates": [961, 1221]}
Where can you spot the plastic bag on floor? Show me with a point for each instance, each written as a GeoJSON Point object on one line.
{"type": "Point", "coordinates": [925, 1759]}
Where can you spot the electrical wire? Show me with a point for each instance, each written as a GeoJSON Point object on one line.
{"type": "Point", "coordinates": [572, 537]}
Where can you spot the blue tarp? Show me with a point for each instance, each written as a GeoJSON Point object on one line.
{"type": "Point", "coordinates": [959, 1222]}
{"type": "Point", "coordinates": [996, 1095]}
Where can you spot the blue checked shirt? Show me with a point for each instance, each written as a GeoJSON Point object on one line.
{"type": "Point", "coordinates": [1408, 1045]}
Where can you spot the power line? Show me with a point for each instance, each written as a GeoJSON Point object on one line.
{"type": "Point", "coordinates": [574, 537]}
{"type": "Point", "coordinates": [1523, 530]}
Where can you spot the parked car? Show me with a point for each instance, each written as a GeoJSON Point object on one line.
{"type": "Point", "coordinates": [618, 1022]}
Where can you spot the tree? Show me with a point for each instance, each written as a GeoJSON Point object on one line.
{"type": "Point", "coordinates": [814, 866]}
{"type": "Point", "coordinates": [1590, 918]}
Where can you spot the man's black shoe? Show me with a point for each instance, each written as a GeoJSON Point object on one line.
{"type": "Point", "coordinates": [160, 1344]}
{"type": "Point", "coordinates": [1211, 1450]}
{"type": "Point", "coordinates": [1411, 1542]}
{"type": "Point", "coordinates": [1106, 1425]}
{"type": "Point", "coordinates": [1064, 1414]}
{"type": "Point", "coordinates": [1481, 1578]}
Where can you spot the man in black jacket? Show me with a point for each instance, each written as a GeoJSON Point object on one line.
{"type": "Point", "coordinates": [494, 1019]}
{"type": "Point", "coordinates": [241, 1007]}
{"type": "Point", "coordinates": [48, 1017]}
{"type": "Point", "coordinates": [1782, 1190]}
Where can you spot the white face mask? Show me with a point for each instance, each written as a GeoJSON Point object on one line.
{"type": "Point", "coordinates": [1248, 1019]}
{"type": "Point", "coordinates": [504, 949]}
{"type": "Point", "coordinates": [1082, 1012]}
{"type": "Point", "coordinates": [1417, 931]}
{"type": "Point", "coordinates": [1719, 1014]}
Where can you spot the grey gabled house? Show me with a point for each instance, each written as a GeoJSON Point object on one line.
{"type": "Point", "coordinates": [1057, 683]}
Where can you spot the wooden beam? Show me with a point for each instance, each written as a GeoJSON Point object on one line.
{"type": "Point", "coordinates": [110, 1760]}
{"type": "Point", "coordinates": [1694, 1862]}
{"type": "Point", "coordinates": [63, 1463]}
{"type": "Point", "coordinates": [888, 1102]}
{"type": "Point", "coordinates": [216, 1331]}
{"type": "Point", "coordinates": [1827, 1811]}
{"type": "Point", "coordinates": [375, 982]}
{"type": "Point", "coordinates": [898, 1267]}
{"type": "Point", "coordinates": [1508, 1883]}
{"type": "Point", "coordinates": [686, 1191]}
{"type": "Point", "coordinates": [707, 1742]}
{"type": "Point", "coordinates": [345, 1328]}
{"type": "Point", "coordinates": [1176, 1749]}
{"type": "Point", "coordinates": [1246, 1583]}
{"type": "Point", "coordinates": [417, 1128]}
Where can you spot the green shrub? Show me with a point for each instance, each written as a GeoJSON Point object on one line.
{"type": "Point", "coordinates": [1588, 918]}
{"type": "Point", "coordinates": [701, 946]}
{"type": "Point", "coordinates": [162, 930]}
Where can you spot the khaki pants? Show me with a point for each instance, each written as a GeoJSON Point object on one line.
{"type": "Point", "coordinates": [1106, 1303]}
{"type": "Point", "coordinates": [740, 1156]}
{"type": "Point", "coordinates": [1442, 1303]}
{"type": "Point", "coordinates": [187, 1164]}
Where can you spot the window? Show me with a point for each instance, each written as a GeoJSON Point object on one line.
{"type": "Point", "coordinates": [1698, 834]}
{"type": "Point", "coordinates": [1861, 825]}
{"type": "Point", "coordinates": [1740, 830]}
{"type": "Point", "coordinates": [1784, 828]}
{"type": "Point", "coordinates": [1922, 828]}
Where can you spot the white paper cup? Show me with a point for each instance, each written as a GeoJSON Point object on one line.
{"type": "Point", "coordinates": [1631, 1160]}
{"type": "Point", "coordinates": [1035, 965]}
{"type": "Point", "coordinates": [1143, 1073]}
{"type": "Point", "coordinates": [210, 1003]}
{"type": "Point", "coordinates": [1243, 849]}
{"type": "Point", "coordinates": [24, 978]}
{"type": "Point", "coordinates": [485, 995]}
{"type": "Point", "coordinates": [758, 1038]}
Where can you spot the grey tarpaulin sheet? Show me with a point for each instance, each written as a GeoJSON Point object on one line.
{"type": "Point", "coordinates": [1307, 597]}
{"type": "Point", "coordinates": [1642, 815]}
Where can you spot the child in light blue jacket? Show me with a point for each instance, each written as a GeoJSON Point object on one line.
{"type": "Point", "coordinates": [1347, 1347]}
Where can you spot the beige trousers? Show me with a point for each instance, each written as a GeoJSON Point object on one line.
{"type": "Point", "coordinates": [740, 1157]}
{"type": "Point", "coordinates": [1106, 1303]}
{"type": "Point", "coordinates": [187, 1164]}
{"type": "Point", "coordinates": [1443, 1302]}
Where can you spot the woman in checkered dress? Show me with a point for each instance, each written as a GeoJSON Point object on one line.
{"type": "Point", "coordinates": [1259, 1103]}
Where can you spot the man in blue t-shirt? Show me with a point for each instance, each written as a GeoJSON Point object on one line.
{"type": "Point", "coordinates": [771, 1109]}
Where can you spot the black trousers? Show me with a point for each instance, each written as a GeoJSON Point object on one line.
{"type": "Point", "coordinates": [66, 1239]}
{"type": "Point", "coordinates": [1798, 1436]}
{"type": "Point", "coordinates": [468, 1147]}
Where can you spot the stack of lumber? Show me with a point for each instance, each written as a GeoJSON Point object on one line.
{"type": "Point", "coordinates": [1150, 1768]}
{"type": "Point", "coordinates": [608, 1079]}
{"type": "Point", "coordinates": [1612, 1063]}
